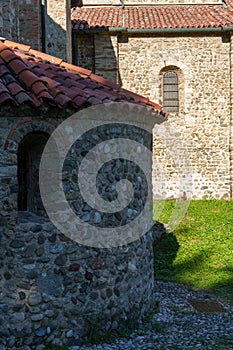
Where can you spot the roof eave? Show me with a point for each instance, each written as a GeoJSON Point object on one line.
{"type": "Point", "coordinates": [219, 29]}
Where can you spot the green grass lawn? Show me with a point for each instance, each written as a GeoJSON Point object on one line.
{"type": "Point", "coordinates": [199, 252]}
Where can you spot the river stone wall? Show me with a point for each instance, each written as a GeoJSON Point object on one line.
{"type": "Point", "coordinates": [55, 289]}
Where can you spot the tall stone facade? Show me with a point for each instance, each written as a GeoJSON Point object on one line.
{"type": "Point", "coordinates": [204, 66]}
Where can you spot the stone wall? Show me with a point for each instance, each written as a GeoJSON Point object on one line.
{"type": "Point", "coordinates": [20, 22]}
{"type": "Point", "coordinates": [106, 57]}
{"type": "Point", "coordinates": [84, 52]}
{"type": "Point", "coordinates": [58, 29]}
{"type": "Point", "coordinates": [52, 288]}
{"type": "Point", "coordinates": [9, 19]}
{"type": "Point", "coordinates": [42, 25]}
{"type": "Point", "coordinates": [204, 117]}
{"type": "Point", "coordinates": [29, 23]}
{"type": "Point", "coordinates": [203, 122]}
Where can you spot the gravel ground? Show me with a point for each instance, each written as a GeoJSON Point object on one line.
{"type": "Point", "coordinates": [178, 325]}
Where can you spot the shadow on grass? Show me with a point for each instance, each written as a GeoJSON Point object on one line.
{"type": "Point", "coordinates": [193, 270]}
{"type": "Point", "coordinates": [165, 252]}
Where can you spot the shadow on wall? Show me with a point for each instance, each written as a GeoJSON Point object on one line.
{"type": "Point", "coordinates": [53, 36]}
{"type": "Point", "coordinates": [95, 52]}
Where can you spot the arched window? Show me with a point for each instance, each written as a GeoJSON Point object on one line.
{"type": "Point", "coordinates": [29, 155]}
{"type": "Point", "coordinates": [170, 91]}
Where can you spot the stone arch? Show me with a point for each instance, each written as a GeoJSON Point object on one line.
{"type": "Point", "coordinates": [20, 129]}
{"type": "Point", "coordinates": [181, 84]}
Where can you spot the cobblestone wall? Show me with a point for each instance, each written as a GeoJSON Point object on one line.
{"type": "Point", "coordinates": [52, 288]}
{"type": "Point", "coordinates": [203, 123]}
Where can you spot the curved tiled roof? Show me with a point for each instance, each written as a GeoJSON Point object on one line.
{"type": "Point", "coordinates": [151, 17]}
{"type": "Point", "coordinates": [29, 76]}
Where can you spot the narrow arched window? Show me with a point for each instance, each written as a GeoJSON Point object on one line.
{"type": "Point", "coordinates": [29, 155]}
{"type": "Point", "coordinates": [170, 91]}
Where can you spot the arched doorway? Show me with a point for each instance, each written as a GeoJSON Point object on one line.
{"type": "Point", "coordinates": [29, 155]}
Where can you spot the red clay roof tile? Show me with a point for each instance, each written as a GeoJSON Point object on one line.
{"type": "Point", "coordinates": [3, 88]}
{"type": "Point", "coordinates": [38, 87]}
{"type": "Point", "coordinates": [33, 77]}
{"type": "Point", "coordinates": [17, 65]}
{"type": "Point", "coordinates": [18, 46]}
{"type": "Point", "coordinates": [104, 81]}
{"type": "Point", "coordinates": [7, 55]}
{"type": "Point", "coordinates": [78, 100]}
{"type": "Point", "coordinates": [49, 82]}
{"type": "Point", "coordinates": [14, 88]}
{"type": "Point", "coordinates": [150, 17]}
{"type": "Point", "coordinates": [23, 97]}
{"type": "Point", "coordinates": [6, 98]}
{"type": "Point", "coordinates": [28, 78]}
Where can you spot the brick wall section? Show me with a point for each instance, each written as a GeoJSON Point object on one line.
{"type": "Point", "coordinates": [203, 122]}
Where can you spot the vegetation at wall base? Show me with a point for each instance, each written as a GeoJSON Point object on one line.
{"type": "Point", "coordinates": [199, 252]}
{"type": "Point", "coordinates": [98, 335]}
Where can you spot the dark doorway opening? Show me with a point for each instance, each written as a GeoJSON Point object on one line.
{"type": "Point", "coordinates": [29, 155]}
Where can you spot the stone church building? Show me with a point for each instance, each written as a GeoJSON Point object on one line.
{"type": "Point", "coordinates": [56, 58]}
{"type": "Point", "coordinates": [177, 53]}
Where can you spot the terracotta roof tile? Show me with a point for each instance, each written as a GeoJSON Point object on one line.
{"type": "Point", "coordinates": [7, 78]}
{"type": "Point", "coordinates": [4, 97]}
{"type": "Point", "coordinates": [7, 55]}
{"type": "Point", "coordinates": [38, 87]}
{"type": "Point", "coordinates": [49, 82]}
{"type": "Point", "coordinates": [17, 65]}
{"type": "Point", "coordinates": [18, 46]}
{"type": "Point", "coordinates": [149, 17]}
{"type": "Point", "coordinates": [3, 88]}
{"type": "Point", "coordinates": [78, 100]}
{"type": "Point", "coordinates": [14, 88]}
{"type": "Point", "coordinates": [29, 76]}
{"type": "Point", "coordinates": [23, 97]}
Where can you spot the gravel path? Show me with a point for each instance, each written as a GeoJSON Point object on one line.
{"type": "Point", "coordinates": [178, 325]}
